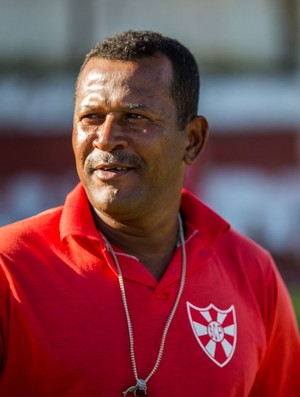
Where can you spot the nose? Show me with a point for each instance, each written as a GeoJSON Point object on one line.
{"type": "Point", "coordinates": [110, 135]}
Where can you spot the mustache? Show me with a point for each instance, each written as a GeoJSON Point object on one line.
{"type": "Point", "coordinates": [117, 156]}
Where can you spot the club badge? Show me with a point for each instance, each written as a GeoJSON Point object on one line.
{"type": "Point", "coordinates": [215, 331]}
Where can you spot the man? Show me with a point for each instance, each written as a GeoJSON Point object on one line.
{"type": "Point", "coordinates": [134, 287]}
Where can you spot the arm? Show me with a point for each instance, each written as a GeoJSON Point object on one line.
{"type": "Point", "coordinates": [279, 372]}
{"type": "Point", "coordinates": [4, 315]}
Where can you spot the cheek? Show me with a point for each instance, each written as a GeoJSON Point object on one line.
{"type": "Point", "coordinates": [81, 136]}
{"type": "Point", "coordinates": [82, 143]}
{"type": "Point", "coordinates": [165, 159]}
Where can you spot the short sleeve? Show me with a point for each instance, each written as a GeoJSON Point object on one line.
{"type": "Point", "coordinates": [4, 314]}
{"type": "Point", "coordinates": [279, 372]}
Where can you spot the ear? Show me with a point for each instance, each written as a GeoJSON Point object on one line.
{"type": "Point", "coordinates": [197, 133]}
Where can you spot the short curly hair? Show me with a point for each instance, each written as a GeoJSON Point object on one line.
{"type": "Point", "coordinates": [134, 45]}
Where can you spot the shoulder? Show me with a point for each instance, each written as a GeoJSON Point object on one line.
{"type": "Point", "coordinates": [242, 251]}
{"type": "Point", "coordinates": [26, 232]}
{"type": "Point", "coordinates": [217, 233]}
{"type": "Point", "coordinates": [241, 244]}
{"type": "Point", "coordinates": [236, 254]}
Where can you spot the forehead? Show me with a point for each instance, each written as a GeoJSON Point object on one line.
{"type": "Point", "coordinates": [142, 76]}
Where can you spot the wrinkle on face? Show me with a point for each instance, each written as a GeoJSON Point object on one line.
{"type": "Point", "coordinates": [153, 148]}
{"type": "Point", "coordinates": [117, 86]}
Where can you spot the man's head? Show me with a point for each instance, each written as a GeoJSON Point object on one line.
{"type": "Point", "coordinates": [130, 150]}
{"type": "Point", "coordinates": [135, 45]}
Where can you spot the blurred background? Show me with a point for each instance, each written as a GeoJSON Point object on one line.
{"type": "Point", "coordinates": [249, 57]}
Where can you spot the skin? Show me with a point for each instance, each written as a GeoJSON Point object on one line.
{"type": "Point", "coordinates": [131, 154]}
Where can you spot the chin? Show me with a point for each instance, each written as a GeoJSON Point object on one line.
{"type": "Point", "coordinates": [111, 201]}
{"type": "Point", "coordinates": [105, 196]}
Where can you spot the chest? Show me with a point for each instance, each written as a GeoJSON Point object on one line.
{"type": "Point", "coordinates": [74, 335]}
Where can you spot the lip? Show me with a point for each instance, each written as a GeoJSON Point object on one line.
{"type": "Point", "coordinates": [111, 171]}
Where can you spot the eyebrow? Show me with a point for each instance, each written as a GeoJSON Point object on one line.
{"type": "Point", "coordinates": [130, 106]}
{"type": "Point", "coordinates": [136, 106]}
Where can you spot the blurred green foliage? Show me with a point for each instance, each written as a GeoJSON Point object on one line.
{"type": "Point", "coordinates": [296, 302]}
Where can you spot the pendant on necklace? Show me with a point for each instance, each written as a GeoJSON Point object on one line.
{"type": "Point", "coordinates": [138, 390]}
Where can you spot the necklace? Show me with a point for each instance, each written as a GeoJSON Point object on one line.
{"type": "Point", "coordinates": [140, 388]}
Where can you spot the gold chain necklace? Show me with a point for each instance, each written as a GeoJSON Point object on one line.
{"type": "Point", "coordinates": [140, 388]}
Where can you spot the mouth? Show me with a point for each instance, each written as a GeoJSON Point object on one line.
{"type": "Point", "coordinates": [111, 171]}
{"type": "Point", "coordinates": [109, 166]}
{"type": "Point", "coordinates": [117, 169]}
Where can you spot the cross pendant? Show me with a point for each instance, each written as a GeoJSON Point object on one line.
{"type": "Point", "coordinates": [141, 393]}
{"type": "Point", "coordinates": [138, 390]}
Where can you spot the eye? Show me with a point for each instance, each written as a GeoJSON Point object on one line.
{"type": "Point", "coordinates": [91, 118]}
{"type": "Point", "coordinates": [135, 117]}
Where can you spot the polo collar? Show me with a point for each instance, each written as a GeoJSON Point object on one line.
{"type": "Point", "coordinates": [202, 222]}
{"type": "Point", "coordinates": [77, 218]}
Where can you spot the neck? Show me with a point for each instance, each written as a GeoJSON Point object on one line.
{"type": "Point", "coordinates": [154, 246]}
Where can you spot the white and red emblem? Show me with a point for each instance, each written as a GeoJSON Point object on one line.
{"type": "Point", "coordinates": [215, 331]}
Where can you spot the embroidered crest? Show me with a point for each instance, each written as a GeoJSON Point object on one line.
{"type": "Point", "coordinates": [215, 331]}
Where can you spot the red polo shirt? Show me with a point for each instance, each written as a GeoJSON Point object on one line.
{"type": "Point", "coordinates": [63, 330]}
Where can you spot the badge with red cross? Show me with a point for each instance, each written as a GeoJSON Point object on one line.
{"type": "Point", "coordinates": [215, 331]}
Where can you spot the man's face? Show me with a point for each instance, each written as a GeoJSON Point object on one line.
{"type": "Point", "coordinates": [128, 147]}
